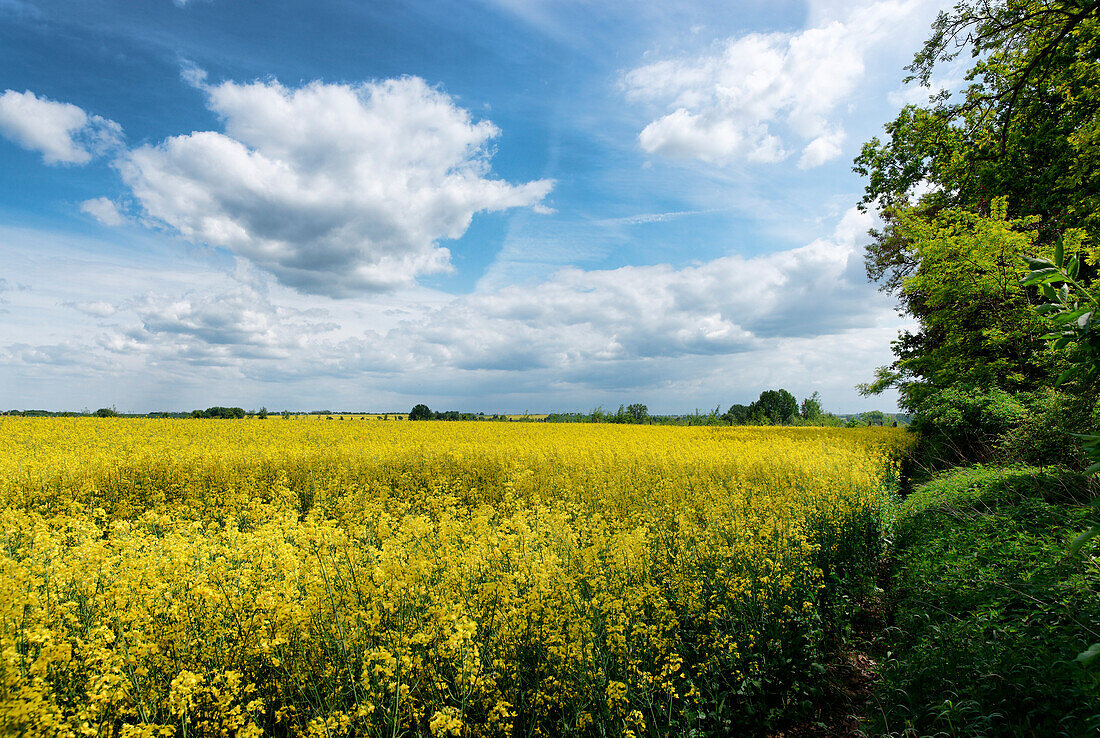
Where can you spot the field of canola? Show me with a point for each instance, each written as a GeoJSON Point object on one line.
{"type": "Point", "coordinates": [264, 577]}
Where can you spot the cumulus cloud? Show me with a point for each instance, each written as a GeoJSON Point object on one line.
{"type": "Point", "coordinates": [576, 325]}
{"type": "Point", "coordinates": [93, 308]}
{"type": "Point", "coordinates": [334, 189]}
{"type": "Point", "coordinates": [104, 210]}
{"type": "Point", "coordinates": [756, 96]}
{"type": "Point", "coordinates": [62, 132]}
{"type": "Point", "coordinates": [217, 328]}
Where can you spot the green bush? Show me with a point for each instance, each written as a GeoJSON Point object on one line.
{"type": "Point", "coordinates": [1045, 436]}
{"type": "Point", "coordinates": [989, 610]}
{"type": "Point", "coordinates": [959, 426]}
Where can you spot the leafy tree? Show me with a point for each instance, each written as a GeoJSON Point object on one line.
{"type": "Point", "coordinates": [737, 415]}
{"type": "Point", "coordinates": [106, 412]}
{"type": "Point", "coordinates": [811, 407]}
{"type": "Point", "coordinates": [262, 413]}
{"type": "Point", "coordinates": [977, 330]}
{"type": "Point", "coordinates": [221, 412]}
{"type": "Point", "coordinates": [1024, 128]}
{"type": "Point", "coordinates": [777, 406]}
{"type": "Point", "coordinates": [638, 413]}
{"type": "Point", "coordinates": [421, 412]}
{"type": "Point", "coordinates": [1006, 167]}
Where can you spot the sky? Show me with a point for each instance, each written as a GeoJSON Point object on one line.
{"type": "Point", "coordinates": [483, 205]}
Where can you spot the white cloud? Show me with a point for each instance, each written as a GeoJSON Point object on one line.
{"type": "Point", "coordinates": [103, 210]}
{"type": "Point", "coordinates": [822, 149]}
{"type": "Point", "coordinates": [62, 132]}
{"type": "Point", "coordinates": [575, 324]}
{"type": "Point", "coordinates": [93, 308]}
{"type": "Point", "coordinates": [758, 96]}
{"type": "Point", "coordinates": [334, 189]}
{"type": "Point", "coordinates": [214, 328]}
{"type": "Point", "coordinates": [671, 336]}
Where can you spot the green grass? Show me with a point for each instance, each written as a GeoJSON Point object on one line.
{"type": "Point", "coordinates": [990, 611]}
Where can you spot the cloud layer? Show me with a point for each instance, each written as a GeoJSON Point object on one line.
{"type": "Point", "coordinates": [760, 96]}
{"type": "Point", "coordinates": [615, 328]}
{"type": "Point", "coordinates": [62, 132]}
{"type": "Point", "coordinates": [334, 189]}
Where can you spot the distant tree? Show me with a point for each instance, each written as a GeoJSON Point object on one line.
{"type": "Point", "coordinates": [262, 414]}
{"type": "Point", "coordinates": [421, 412]}
{"type": "Point", "coordinates": [737, 415]}
{"type": "Point", "coordinates": [106, 412]}
{"type": "Point", "coordinates": [875, 417]}
{"type": "Point", "coordinates": [638, 413]}
{"type": "Point", "coordinates": [811, 407]}
{"type": "Point", "coordinates": [777, 406]}
{"type": "Point", "coordinates": [219, 412]}
{"type": "Point", "coordinates": [286, 415]}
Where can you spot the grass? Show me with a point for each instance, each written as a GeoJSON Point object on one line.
{"type": "Point", "coordinates": [990, 610]}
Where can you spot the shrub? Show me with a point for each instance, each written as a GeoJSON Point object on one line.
{"type": "Point", "coordinates": [958, 426]}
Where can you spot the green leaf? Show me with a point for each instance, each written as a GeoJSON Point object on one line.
{"type": "Point", "coordinates": [1069, 317]}
{"type": "Point", "coordinates": [1040, 275]}
{"type": "Point", "coordinates": [1061, 342]}
{"type": "Point", "coordinates": [1038, 263]}
{"type": "Point", "coordinates": [1089, 655]}
{"type": "Point", "coordinates": [1066, 376]}
{"type": "Point", "coordinates": [1073, 268]}
{"type": "Point", "coordinates": [1059, 253]}
{"type": "Point", "coordinates": [1085, 321]}
{"type": "Point", "coordinates": [1048, 292]}
{"type": "Point", "coordinates": [1084, 538]}
{"type": "Point", "coordinates": [1094, 469]}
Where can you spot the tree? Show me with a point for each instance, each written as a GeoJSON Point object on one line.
{"type": "Point", "coordinates": [811, 407]}
{"type": "Point", "coordinates": [1024, 128]}
{"type": "Point", "coordinates": [1006, 166]}
{"type": "Point", "coordinates": [737, 415]}
{"type": "Point", "coordinates": [106, 412]}
{"type": "Point", "coordinates": [637, 413]}
{"type": "Point", "coordinates": [778, 406]}
{"type": "Point", "coordinates": [421, 412]}
{"type": "Point", "coordinates": [976, 327]}
{"type": "Point", "coordinates": [262, 414]}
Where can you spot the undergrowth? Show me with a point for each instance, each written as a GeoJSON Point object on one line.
{"type": "Point", "coordinates": [990, 609]}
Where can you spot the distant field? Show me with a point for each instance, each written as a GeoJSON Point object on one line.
{"type": "Point", "coordinates": [333, 579]}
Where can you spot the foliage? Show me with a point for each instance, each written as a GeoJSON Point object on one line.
{"type": "Point", "coordinates": [1023, 129]}
{"type": "Point", "coordinates": [1049, 432]}
{"type": "Point", "coordinates": [477, 579]}
{"type": "Point", "coordinates": [958, 425]}
{"type": "Point", "coordinates": [990, 613]}
{"type": "Point", "coordinates": [219, 412]}
{"type": "Point", "coordinates": [420, 412]}
{"type": "Point", "coordinates": [777, 406]}
{"type": "Point", "coordinates": [977, 330]}
{"type": "Point", "coordinates": [1074, 311]}
{"type": "Point", "coordinates": [811, 407]}
{"type": "Point", "coordinates": [106, 412]}
{"type": "Point", "coordinates": [738, 415]}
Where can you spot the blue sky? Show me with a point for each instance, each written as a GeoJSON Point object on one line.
{"type": "Point", "coordinates": [501, 205]}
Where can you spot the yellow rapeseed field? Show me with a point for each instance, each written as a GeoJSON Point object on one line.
{"type": "Point", "coordinates": [254, 577]}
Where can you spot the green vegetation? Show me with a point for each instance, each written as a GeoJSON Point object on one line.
{"type": "Point", "coordinates": [990, 610]}
{"type": "Point", "coordinates": [989, 204]}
